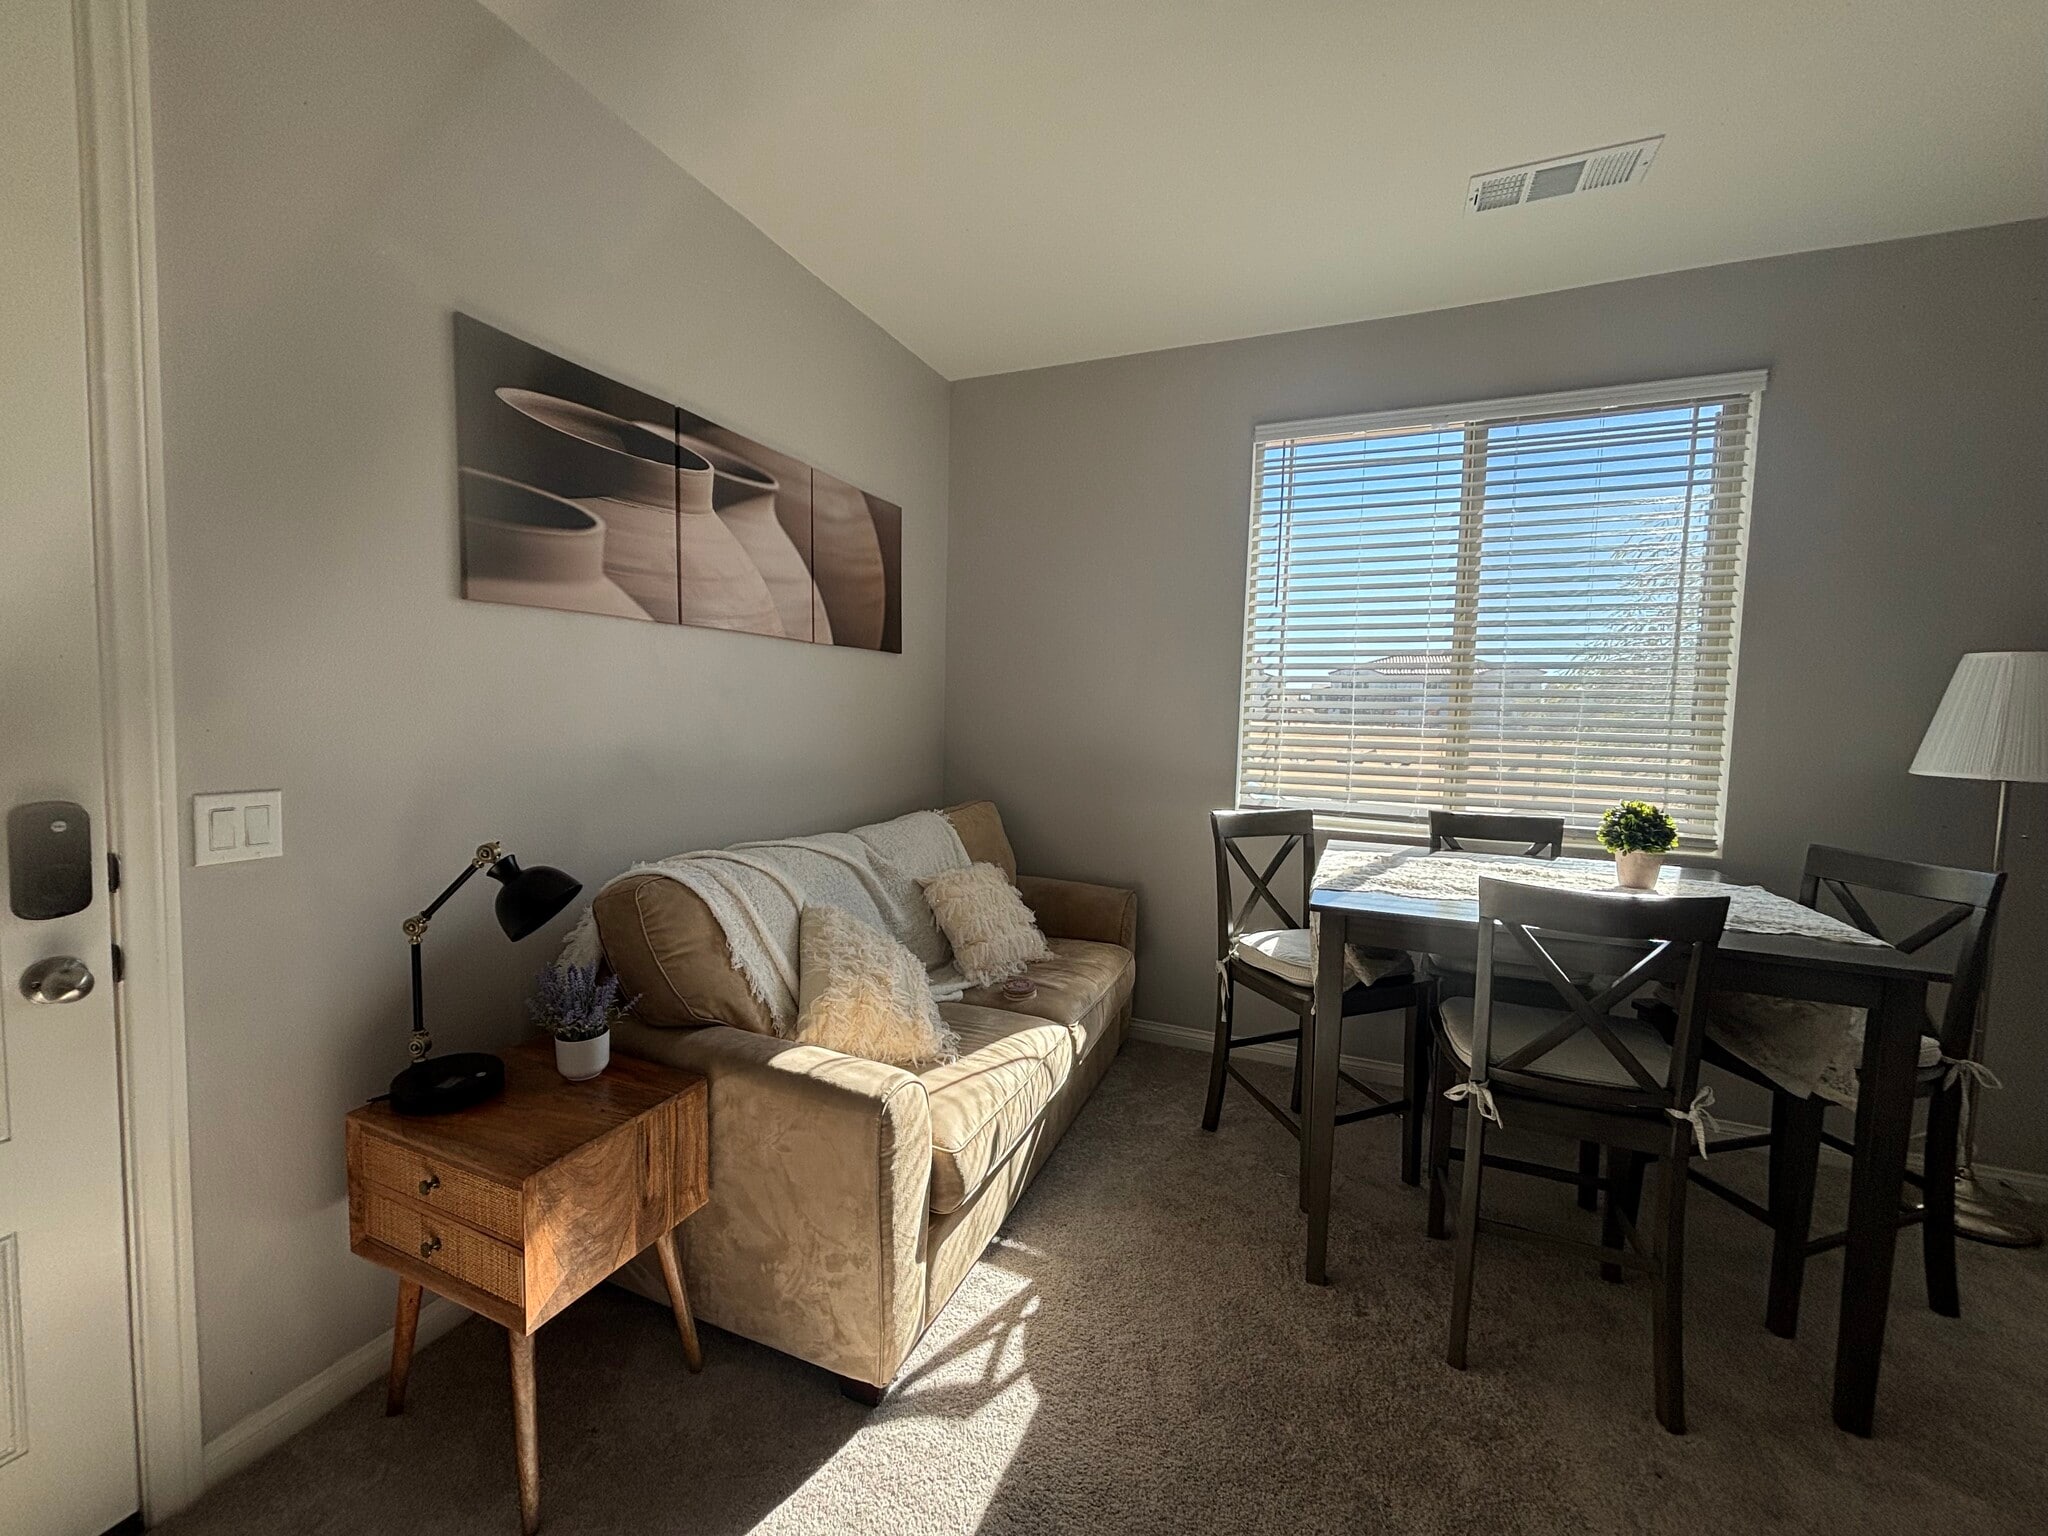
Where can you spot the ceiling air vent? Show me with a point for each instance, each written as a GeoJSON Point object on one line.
{"type": "Point", "coordinates": [1614, 166]}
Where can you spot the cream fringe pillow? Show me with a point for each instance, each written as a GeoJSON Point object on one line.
{"type": "Point", "coordinates": [861, 993]}
{"type": "Point", "coordinates": [991, 930]}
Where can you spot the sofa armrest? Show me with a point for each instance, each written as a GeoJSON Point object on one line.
{"type": "Point", "coordinates": [1075, 909]}
{"type": "Point", "coordinates": [814, 1238]}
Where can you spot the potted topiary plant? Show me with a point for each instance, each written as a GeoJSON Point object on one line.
{"type": "Point", "coordinates": [1638, 834]}
{"type": "Point", "coordinates": [579, 1010]}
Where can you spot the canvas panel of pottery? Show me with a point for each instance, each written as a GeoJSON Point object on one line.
{"type": "Point", "coordinates": [581, 493]}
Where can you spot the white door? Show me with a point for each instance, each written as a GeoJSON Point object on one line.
{"type": "Point", "coordinates": [67, 1396]}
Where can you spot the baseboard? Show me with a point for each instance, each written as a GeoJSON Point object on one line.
{"type": "Point", "coordinates": [245, 1443]}
{"type": "Point", "coordinates": [1367, 1069]}
{"type": "Point", "coordinates": [2021, 1182]}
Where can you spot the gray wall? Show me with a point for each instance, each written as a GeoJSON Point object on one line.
{"type": "Point", "coordinates": [332, 182]}
{"type": "Point", "coordinates": [1098, 546]}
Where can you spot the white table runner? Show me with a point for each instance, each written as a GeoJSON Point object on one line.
{"type": "Point", "coordinates": [1805, 1047]}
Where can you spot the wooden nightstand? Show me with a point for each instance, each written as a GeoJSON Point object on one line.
{"type": "Point", "coordinates": [517, 1207]}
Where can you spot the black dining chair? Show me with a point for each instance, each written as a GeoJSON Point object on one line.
{"type": "Point", "coordinates": [1960, 905]}
{"type": "Point", "coordinates": [1278, 964]}
{"type": "Point", "coordinates": [1534, 837]}
{"type": "Point", "coordinates": [1586, 1074]}
{"type": "Point", "coordinates": [1540, 837]}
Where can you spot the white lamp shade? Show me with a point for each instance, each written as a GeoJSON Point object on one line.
{"type": "Point", "coordinates": [1993, 721]}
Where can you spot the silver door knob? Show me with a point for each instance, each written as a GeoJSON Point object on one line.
{"type": "Point", "coordinates": [59, 979]}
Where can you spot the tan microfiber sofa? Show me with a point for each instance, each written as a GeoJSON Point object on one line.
{"type": "Point", "coordinates": [849, 1199]}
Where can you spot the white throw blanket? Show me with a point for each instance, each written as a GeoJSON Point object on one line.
{"type": "Point", "coordinates": [758, 890]}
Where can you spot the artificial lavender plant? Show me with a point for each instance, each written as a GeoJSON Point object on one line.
{"type": "Point", "coordinates": [571, 1003]}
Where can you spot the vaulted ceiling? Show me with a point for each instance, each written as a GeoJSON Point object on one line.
{"type": "Point", "coordinates": [1002, 184]}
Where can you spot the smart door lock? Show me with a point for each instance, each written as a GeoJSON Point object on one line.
{"type": "Point", "coordinates": [49, 859]}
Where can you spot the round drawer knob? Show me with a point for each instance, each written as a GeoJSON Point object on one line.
{"type": "Point", "coordinates": [430, 1183]}
{"type": "Point", "coordinates": [430, 1247]}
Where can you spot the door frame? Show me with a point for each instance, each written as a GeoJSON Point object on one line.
{"type": "Point", "coordinates": [132, 576]}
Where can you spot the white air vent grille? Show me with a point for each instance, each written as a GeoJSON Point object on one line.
{"type": "Point", "coordinates": [1614, 166]}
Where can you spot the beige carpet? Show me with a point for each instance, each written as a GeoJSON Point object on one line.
{"type": "Point", "coordinates": [1138, 1353]}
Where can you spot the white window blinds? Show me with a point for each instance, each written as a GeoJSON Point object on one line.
{"type": "Point", "coordinates": [1519, 605]}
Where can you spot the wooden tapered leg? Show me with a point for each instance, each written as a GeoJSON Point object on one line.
{"type": "Point", "coordinates": [679, 1299]}
{"type": "Point", "coordinates": [1219, 1057]}
{"type": "Point", "coordinates": [403, 1332]}
{"type": "Point", "coordinates": [1668, 1298]}
{"type": "Point", "coordinates": [1468, 1232]}
{"type": "Point", "coordinates": [1938, 1218]}
{"type": "Point", "coordinates": [525, 1431]}
{"type": "Point", "coordinates": [1795, 1162]}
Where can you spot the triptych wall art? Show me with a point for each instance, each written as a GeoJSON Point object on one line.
{"type": "Point", "coordinates": [581, 493]}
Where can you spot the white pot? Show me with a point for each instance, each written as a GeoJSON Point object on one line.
{"type": "Point", "coordinates": [1637, 871]}
{"type": "Point", "coordinates": [581, 1060]}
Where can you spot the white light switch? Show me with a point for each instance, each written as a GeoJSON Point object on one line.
{"type": "Point", "coordinates": [247, 824]}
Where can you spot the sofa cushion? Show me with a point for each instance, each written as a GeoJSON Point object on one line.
{"type": "Point", "coordinates": [670, 955]}
{"type": "Point", "coordinates": [863, 993]}
{"type": "Point", "coordinates": [1083, 986]}
{"type": "Point", "coordinates": [979, 826]}
{"type": "Point", "coordinates": [993, 934]}
{"type": "Point", "coordinates": [985, 1103]}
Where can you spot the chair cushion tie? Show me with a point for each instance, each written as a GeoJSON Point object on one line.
{"type": "Point", "coordinates": [1703, 1124]}
{"type": "Point", "coordinates": [1480, 1095]}
{"type": "Point", "coordinates": [1960, 1067]}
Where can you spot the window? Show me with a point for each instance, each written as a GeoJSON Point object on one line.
{"type": "Point", "coordinates": [1520, 605]}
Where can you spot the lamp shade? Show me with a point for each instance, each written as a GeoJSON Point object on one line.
{"type": "Point", "coordinates": [531, 898]}
{"type": "Point", "coordinates": [1993, 721]}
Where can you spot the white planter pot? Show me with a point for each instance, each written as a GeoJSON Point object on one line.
{"type": "Point", "coordinates": [581, 1060]}
{"type": "Point", "coordinates": [1637, 871]}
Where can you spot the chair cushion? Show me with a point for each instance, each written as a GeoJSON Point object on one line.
{"type": "Point", "coordinates": [1580, 1059]}
{"type": "Point", "coordinates": [985, 1103]}
{"type": "Point", "coordinates": [1084, 986]}
{"type": "Point", "coordinates": [1285, 952]}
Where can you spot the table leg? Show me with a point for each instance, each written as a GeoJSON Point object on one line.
{"type": "Point", "coordinates": [1304, 1058]}
{"type": "Point", "coordinates": [1320, 1116]}
{"type": "Point", "coordinates": [1884, 1122]}
{"type": "Point", "coordinates": [1415, 1026]}
{"type": "Point", "coordinates": [403, 1332]}
{"type": "Point", "coordinates": [679, 1299]}
{"type": "Point", "coordinates": [525, 1431]}
{"type": "Point", "coordinates": [1795, 1158]}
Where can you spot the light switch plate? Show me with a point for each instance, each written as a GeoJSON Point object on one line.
{"type": "Point", "coordinates": [245, 824]}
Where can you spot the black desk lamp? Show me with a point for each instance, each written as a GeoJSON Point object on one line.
{"type": "Point", "coordinates": [529, 900]}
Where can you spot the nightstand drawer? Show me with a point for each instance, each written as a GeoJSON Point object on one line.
{"type": "Point", "coordinates": [494, 1207]}
{"type": "Point", "coordinates": [446, 1245]}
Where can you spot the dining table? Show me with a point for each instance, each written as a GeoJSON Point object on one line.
{"type": "Point", "coordinates": [1802, 966]}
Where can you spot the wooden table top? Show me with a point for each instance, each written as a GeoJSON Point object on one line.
{"type": "Point", "coordinates": [540, 1118]}
{"type": "Point", "coordinates": [1453, 913]}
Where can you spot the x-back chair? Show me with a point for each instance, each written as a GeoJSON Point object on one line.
{"type": "Point", "coordinates": [1543, 836]}
{"type": "Point", "coordinates": [1964, 904]}
{"type": "Point", "coordinates": [1535, 837]}
{"type": "Point", "coordinates": [1262, 946]}
{"type": "Point", "coordinates": [1584, 1073]}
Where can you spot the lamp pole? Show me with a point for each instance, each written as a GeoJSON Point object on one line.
{"type": "Point", "coordinates": [1980, 1217]}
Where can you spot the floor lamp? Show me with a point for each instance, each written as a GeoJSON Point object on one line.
{"type": "Point", "coordinates": [1992, 724]}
